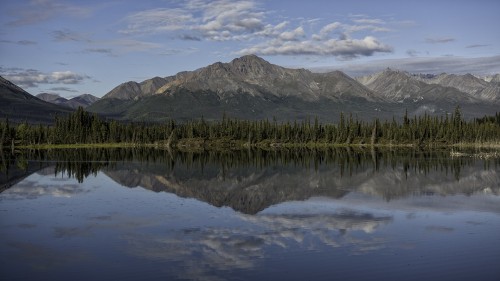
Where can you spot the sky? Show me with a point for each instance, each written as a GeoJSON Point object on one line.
{"type": "Point", "coordinates": [89, 46]}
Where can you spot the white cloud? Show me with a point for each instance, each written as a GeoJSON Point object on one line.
{"type": "Point", "coordinates": [212, 20]}
{"type": "Point", "coordinates": [326, 30]}
{"type": "Point", "coordinates": [369, 21]}
{"type": "Point", "coordinates": [30, 78]}
{"type": "Point", "coordinates": [293, 35]}
{"type": "Point", "coordinates": [342, 48]}
{"type": "Point", "coordinates": [244, 20]}
{"type": "Point", "coordinates": [373, 28]}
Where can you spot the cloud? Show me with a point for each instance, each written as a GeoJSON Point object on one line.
{"type": "Point", "coordinates": [439, 40]}
{"type": "Point", "coordinates": [412, 52]}
{"type": "Point", "coordinates": [109, 47]}
{"type": "Point", "coordinates": [189, 37]}
{"type": "Point", "coordinates": [294, 35]}
{"type": "Point", "coordinates": [32, 190]}
{"type": "Point", "coordinates": [106, 51]}
{"type": "Point", "coordinates": [63, 89]}
{"type": "Point", "coordinates": [373, 28]}
{"type": "Point", "coordinates": [201, 252]}
{"type": "Point", "coordinates": [31, 78]}
{"type": "Point", "coordinates": [36, 11]}
{"type": "Point", "coordinates": [129, 45]}
{"type": "Point", "coordinates": [212, 20]}
{"type": "Point", "coordinates": [170, 52]}
{"type": "Point", "coordinates": [245, 20]}
{"type": "Point", "coordinates": [20, 42]}
{"type": "Point", "coordinates": [457, 65]}
{"type": "Point", "coordinates": [369, 21]}
{"type": "Point", "coordinates": [345, 48]}
{"type": "Point", "coordinates": [67, 35]}
{"type": "Point", "coordinates": [326, 30]}
{"type": "Point", "coordinates": [476, 46]}
{"type": "Point", "coordinates": [158, 20]}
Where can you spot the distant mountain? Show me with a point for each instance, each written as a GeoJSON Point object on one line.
{"type": "Point", "coordinates": [252, 88]}
{"type": "Point", "coordinates": [82, 100]}
{"type": "Point", "coordinates": [133, 90]}
{"type": "Point", "coordinates": [423, 93]}
{"type": "Point", "coordinates": [52, 98]}
{"type": "Point", "coordinates": [19, 106]}
{"type": "Point", "coordinates": [492, 78]}
{"type": "Point", "coordinates": [475, 87]}
{"type": "Point", "coordinates": [402, 87]}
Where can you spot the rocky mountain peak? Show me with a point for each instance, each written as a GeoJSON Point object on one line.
{"type": "Point", "coordinates": [250, 62]}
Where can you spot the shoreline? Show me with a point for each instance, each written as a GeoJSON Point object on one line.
{"type": "Point", "coordinates": [197, 144]}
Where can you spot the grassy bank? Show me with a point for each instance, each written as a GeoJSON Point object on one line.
{"type": "Point", "coordinates": [229, 144]}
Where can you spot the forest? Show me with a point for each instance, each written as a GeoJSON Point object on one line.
{"type": "Point", "coordinates": [82, 127]}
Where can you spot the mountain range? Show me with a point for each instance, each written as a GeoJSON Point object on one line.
{"type": "Point", "coordinates": [80, 101]}
{"type": "Point", "coordinates": [251, 88]}
{"type": "Point", "coordinates": [19, 106]}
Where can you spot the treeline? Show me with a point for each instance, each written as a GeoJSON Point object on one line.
{"type": "Point", "coordinates": [81, 163]}
{"type": "Point", "coordinates": [82, 127]}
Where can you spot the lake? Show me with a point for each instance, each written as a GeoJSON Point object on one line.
{"type": "Point", "coordinates": [333, 214]}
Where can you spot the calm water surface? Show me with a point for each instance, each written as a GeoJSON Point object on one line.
{"type": "Point", "coordinates": [248, 215]}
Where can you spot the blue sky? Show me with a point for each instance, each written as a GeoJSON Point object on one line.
{"type": "Point", "coordinates": [77, 47]}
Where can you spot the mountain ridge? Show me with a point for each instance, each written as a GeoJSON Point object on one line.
{"type": "Point", "coordinates": [20, 106]}
{"type": "Point", "coordinates": [83, 100]}
{"type": "Point", "coordinates": [250, 87]}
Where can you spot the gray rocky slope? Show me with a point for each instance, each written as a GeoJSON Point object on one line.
{"type": "Point", "coordinates": [252, 88]}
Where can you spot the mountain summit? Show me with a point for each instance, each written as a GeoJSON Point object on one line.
{"type": "Point", "coordinates": [83, 100]}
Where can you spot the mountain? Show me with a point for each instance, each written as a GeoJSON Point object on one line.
{"type": "Point", "coordinates": [134, 90]}
{"type": "Point", "coordinates": [52, 98]}
{"type": "Point", "coordinates": [247, 88]}
{"type": "Point", "coordinates": [256, 77]}
{"type": "Point", "coordinates": [475, 87]}
{"type": "Point", "coordinates": [401, 87]}
{"type": "Point", "coordinates": [80, 101]}
{"type": "Point", "coordinates": [251, 88]}
{"type": "Point", "coordinates": [422, 93]}
{"type": "Point", "coordinates": [19, 106]}
{"type": "Point", "coordinates": [492, 78]}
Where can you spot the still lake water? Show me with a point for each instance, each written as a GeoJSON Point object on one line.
{"type": "Point", "coordinates": [146, 214]}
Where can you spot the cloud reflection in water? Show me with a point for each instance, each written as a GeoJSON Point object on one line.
{"type": "Point", "coordinates": [204, 251]}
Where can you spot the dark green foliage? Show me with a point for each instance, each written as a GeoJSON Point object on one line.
{"type": "Point", "coordinates": [82, 127]}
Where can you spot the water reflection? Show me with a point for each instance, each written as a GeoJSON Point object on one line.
{"type": "Point", "coordinates": [201, 252]}
{"type": "Point", "coordinates": [250, 181]}
{"type": "Point", "coordinates": [294, 215]}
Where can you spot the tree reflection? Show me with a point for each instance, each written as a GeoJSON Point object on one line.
{"type": "Point", "coordinates": [251, 180]}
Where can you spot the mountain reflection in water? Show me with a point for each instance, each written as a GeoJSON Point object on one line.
{"type": "Point", "coordinates": [250, 181]}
